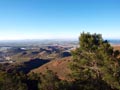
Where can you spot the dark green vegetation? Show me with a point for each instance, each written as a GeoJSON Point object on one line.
{"type": "Point", "coordinates": [95, 66]}
{"type": "Point", "coordinates": [11, 82]}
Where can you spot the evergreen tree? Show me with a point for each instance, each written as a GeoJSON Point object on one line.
{"type": "Point", "coordinates": [49, 81]}
{"type": "Point", "coordinates": [8, 82]}
{"type": "Point", "coordinates": [95, 64]}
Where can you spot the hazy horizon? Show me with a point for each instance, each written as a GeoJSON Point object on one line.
{"type": "Point", "coordinates": [64, 39]}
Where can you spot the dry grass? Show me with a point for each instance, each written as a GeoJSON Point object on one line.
{"type": "Point", "coordinates": [116, 47]}
{"type": "Point", "coordinates": [58, 66]}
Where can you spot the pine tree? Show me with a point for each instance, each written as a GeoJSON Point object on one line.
{"type": "Point", "coordinates": [95, 64]}
{"type": "Point", "coordinates": [49, 81]}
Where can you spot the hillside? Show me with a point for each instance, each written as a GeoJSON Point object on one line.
{"type": "Point", "coordinates": [116, 47]}
{"type": "Point", "coordinates": [93, 63]}
{"type": "Point", "coordinates": [59, 66]}
{"type": "Point", "coordinates": [46, 52]}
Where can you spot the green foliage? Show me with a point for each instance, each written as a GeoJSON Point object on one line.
{"type": "Point", "coordinates": [95, 64]}
{"type": "Point", "coordinates": [8, 82]}
{"type": "Point", "coordinates": [49, 81]}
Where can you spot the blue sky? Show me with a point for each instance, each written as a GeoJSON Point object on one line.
{"type": "Point", "coordinates": [58, 19]}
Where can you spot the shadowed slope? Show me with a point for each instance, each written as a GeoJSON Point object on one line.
{"type": "Point", "coordinates": [59, 66]}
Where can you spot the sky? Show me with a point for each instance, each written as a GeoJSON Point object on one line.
{"type": "Point", "coordinates": [58, 19]}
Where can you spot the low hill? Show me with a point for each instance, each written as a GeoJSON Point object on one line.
{"type": "Point", "coordinates": [49, 52]}
{"type": "Point", "coordinates": [59, 66]}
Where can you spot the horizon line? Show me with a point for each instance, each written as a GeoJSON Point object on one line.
{"type": "Point", "coordinates": [53, 39]}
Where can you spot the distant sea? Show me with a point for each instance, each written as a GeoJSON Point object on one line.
{"type": "Point", "coordinates": [114, 41]}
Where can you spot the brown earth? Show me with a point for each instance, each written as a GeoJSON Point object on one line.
{"type": "Point", "coordinates": [116, 47]}
{"type": "Point", "coordinates": [60, 66]}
